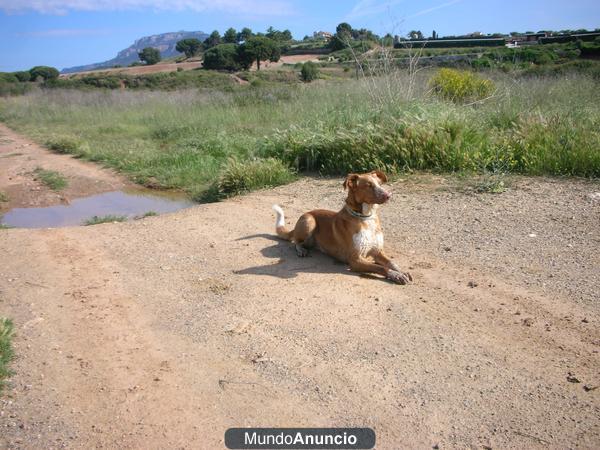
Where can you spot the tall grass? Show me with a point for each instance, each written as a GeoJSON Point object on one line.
{"type": "Point", "coordinates": [184, 139]}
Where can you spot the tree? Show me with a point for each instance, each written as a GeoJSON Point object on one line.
{"type": "Point", "coordinates": [388, 40]}
{"type": "Point", "coordinates": [259, 48]}
{"type": "Point", "coordinates": [343, 30]}
{"type": "Point", "coordinates": [230, 36]}
{"type": "Point", "coordinates": [309, 71]}
{"type": "Point", "coordinates": [342, 37]}
{"type": "Point", "coordinates": [415, 35]}
{"type": "Point", "coordinates": [149, 55]}
{"type": "Point", "coordinates": [222, 57]}
{"type": "Point", "coordinates": [44, 72]}
{"type": "Point", "coordinates": [434, 35]}
{"type": "Point", "coordinates": [190, 47]}
{"type": "Point", "coordinates": [245, 34]}
{"type": "Point", "coordinates": [213, 39]}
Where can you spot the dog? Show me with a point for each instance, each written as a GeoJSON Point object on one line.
{"type": "Point", "coordinates": [352, 235]}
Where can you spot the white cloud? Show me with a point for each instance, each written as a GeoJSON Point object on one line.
{"type": "Point", "coordinates": [255, 7]}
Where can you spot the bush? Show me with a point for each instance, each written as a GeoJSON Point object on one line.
{"type": "Point", "coordinates": [222, 57]}
{"type": "Point", "coordinates": [8, 89]}
{"type": "Point", "coordinates": [22, 75]}
{"type": "Point", "coordinates": [461, 85]}
{"type": "Point", "coordinates": [309, 71]}
{"type": "Point", "coordinates": [243, 176]}
{"type": "Point", "coordinates": [44, 72]}
{"type": "Point", "coordinates": [7, 77]}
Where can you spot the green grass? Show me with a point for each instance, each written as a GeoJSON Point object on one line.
{"type": "Point", "coordinates": [6, 350]}
{"type": "Point", "coordinates": [51, 178]}
{"type": "Point", "coordinates": [187, 139]}
{"type": "Point", "coordinates": [96, 220]}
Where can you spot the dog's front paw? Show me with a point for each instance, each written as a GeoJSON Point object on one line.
{"type": "Point", "coordinates": [399, 277]}
{"type": "Point", "coordinates": [301, 251]}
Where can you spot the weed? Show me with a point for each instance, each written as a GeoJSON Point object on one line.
{"type": "Point", "coordinates": [3, 197]}
{"type": "Point", "coordinates": [64, 144]}
{"type": "Point", "coordinates": [96, 220]}
{"type": "Point", "coordinates": [6, 350]}
{"type": "Point", "coordinates": [238, 177]}
{"type": "Point", "coordinates": [52, 179]}
{"type": "Point", "coordinates": [147, 214]}
{"type": "Point", "coordinates": [460, 85]}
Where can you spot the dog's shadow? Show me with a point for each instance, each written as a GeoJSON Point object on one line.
{"type": "Point", "coordinates": [289, 264]}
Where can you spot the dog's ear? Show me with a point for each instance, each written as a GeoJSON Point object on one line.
{"type": "Point", "coordinates": [379, 174]}
{"type": "Point", "coordinates": [350, 181]}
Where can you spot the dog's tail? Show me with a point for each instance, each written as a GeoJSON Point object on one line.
{"type": "Point", "coordinates": [282, 231]}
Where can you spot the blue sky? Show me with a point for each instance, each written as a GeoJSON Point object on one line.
{"type": "Point", "coordinates": [63, 33]}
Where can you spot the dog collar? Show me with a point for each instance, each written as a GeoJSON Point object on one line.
{"type": "Point", "coordinates": [357, 214]}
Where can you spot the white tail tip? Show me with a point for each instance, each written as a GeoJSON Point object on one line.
{"type": "Point", "coordinates": [280, 217]}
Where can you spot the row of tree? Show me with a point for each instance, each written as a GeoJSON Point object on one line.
{"type": "Point", "coordinates": [37, 73]}
{"type": "Point", "coordinates": [345, 36]}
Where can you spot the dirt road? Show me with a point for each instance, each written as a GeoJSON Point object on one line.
{"type": "Point", "coordinates": [19, 159]}
{"type": "Point", "coordinates": [164, 332]}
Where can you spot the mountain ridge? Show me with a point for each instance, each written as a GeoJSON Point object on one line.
{"type": "Point", "coordinates": [164, 42]}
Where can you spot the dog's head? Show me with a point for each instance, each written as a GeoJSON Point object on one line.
{"type": "Point", "coordinates": [366, 188]}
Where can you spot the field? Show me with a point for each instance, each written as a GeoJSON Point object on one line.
{"type": "Point", "coordinates": [185, 139]}
{"type": "Point", "coordinates": [164, 331]}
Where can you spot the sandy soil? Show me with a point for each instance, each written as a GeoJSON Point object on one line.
{"type": "Point", "coordinates": [172, 67]}
{"type": "Point", "coordinates": [291, 59]}
{"type": "Point", "coordinates": [164, 332]}
{"type": "Point", "coordinates": [139, 70]}
{"type": "Point", "coordinates": [20, 157]}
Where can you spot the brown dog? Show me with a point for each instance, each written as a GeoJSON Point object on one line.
{"type": "Point", "coordinates": [352, 235]}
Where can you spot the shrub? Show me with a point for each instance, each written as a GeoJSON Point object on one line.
{"type": "Point", "coordinates": [22, 75]}
{"type": "Point", "coordinates": [309, 71]}
{"type": "Point", "coordinates": [44, 72]}
{"type": "Point", "coordinates": [8, 89]}
{"type": "Point", "coordinates": [8, 77]}
{"type": "Point", "coordinates": [243, 176]}
{"type": "Point", "coordinates": [222, 57]}
{"type": "Point", "coordinates": [461, 85]}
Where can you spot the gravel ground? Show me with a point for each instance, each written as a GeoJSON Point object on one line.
{"type": "Point", "coordinates": [166, 331]}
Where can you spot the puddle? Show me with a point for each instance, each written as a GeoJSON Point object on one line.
{"type": "Point", "coordinates": [130, 203]}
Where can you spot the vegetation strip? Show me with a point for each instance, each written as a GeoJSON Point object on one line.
{"type": "Point", "coordinates": [6, 350]}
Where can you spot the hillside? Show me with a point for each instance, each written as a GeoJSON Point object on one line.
{"type": "Point", "coordinates": [165, 42]}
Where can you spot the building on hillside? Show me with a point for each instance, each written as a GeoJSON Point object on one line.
{"type": "Point", "coordinates": [322, 35]}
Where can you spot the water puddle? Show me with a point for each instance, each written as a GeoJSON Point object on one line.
{"type": "Point", "coordinates": [130, 203]}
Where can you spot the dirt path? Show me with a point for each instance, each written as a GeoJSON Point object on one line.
{"type": "Point", "coordinates": [20, 157]}
{"type": "Point", "coordinates": [163, 332]}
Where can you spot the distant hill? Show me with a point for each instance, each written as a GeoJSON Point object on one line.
{"type": "Point", "coordinates": [165, 42]}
